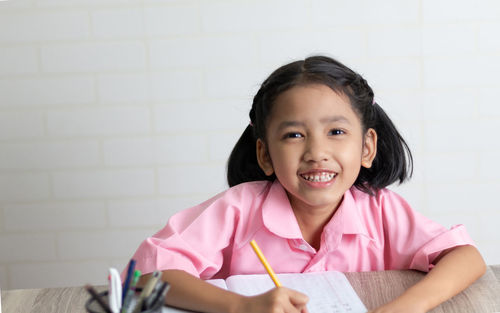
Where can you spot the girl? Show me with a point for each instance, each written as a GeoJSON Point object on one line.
{"type": "Point", "coordinates": [308, 180]}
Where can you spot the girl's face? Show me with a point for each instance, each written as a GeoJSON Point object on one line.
{"type": "Point", "coordinates": [315, 146]}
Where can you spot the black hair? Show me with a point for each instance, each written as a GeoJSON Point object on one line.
{"type": "Point", "coordinates": [393, 161]}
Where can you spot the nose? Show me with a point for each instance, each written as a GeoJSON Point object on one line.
{"type": "Point", "coordinates": [315, 150]}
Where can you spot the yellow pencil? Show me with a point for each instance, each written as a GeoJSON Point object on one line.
{"type": "Point", "coordinates": [262, 259]}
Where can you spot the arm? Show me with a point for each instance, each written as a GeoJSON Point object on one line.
{"type": "Point", "coordinates": [189, 292]}
{"type": "Point", "coordinates": [456, 268]}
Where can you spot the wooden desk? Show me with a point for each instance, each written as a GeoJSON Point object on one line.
{"type": "Point", "coordinates": [374, 289]}
{"type": "Point", "coordinates": [377, 288]}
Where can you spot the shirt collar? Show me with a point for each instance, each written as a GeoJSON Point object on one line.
{"type": "Point", "coordinates": [278, 215]}
{"type": "Point", "coordinates": [348, 219]}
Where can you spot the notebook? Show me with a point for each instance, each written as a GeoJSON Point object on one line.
{"type": "Point", "coordinates": [327, 291]}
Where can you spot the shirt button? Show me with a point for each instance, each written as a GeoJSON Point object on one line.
{"type": "Point", "coordinates": [303, 247]}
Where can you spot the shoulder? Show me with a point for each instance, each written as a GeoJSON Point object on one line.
{"type": "Point", "coordinates": [254, 187]}
{"type": "Point", "coordinates": [233, 204]}
{"type": "Point", "coordinates": [383, 203]}
{"type": "Point", "coordinates": [391, 215]}
{"type": "Point", "coordinates": [382, 197]}
{"type": "Point", "coordinates": [245, 192]}
{"type": "Point", "coordinates": [236, 197]}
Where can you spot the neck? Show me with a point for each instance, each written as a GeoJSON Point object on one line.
{"type": "Point", "coordinates": [312, 221]}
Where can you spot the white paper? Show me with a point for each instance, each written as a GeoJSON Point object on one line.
{"type": "Point", "coordinates": [221, 283]}
{"type": "Point", "coordinates": [327, 291]}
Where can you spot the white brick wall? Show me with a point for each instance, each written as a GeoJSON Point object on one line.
{"type": "Point", "coordinates": [115, 114]}
{"type": "Point", "coordinates": [49, 155]}
{"type": "Point", "coordinates": [116, 23]}
{"type": "Point", "coordinates": [26, 247]}
{"type": "Point", "coordinates": [21, 124]}
{"type": "Point", "coordinates": [22, 186]}
{"type": "Point", "coordinates": [46, 91]}
{"type": "Point", "coordinates": [124, 88]}
{"type": "Point", "coordinates": [171, 85]}
{"type": "Point", "coordinates": [18, 60]}
{"type": "Point", "coordinates": [103, 183]}
{"type": "Point", "coordinates": [217, 51]}
{"type": "Point", "coordinates": [343, 42]}
{"type": "Point", "coordinates": [39, 26]}
{"type": "Point", "coordinates": [93, 121]}
{"type": "Point", "coordinates": [181, 18]}
{"type": "Point", "coordinates": [99, 244]}
{"type": "Point", "coordinates": [3, 277]}
{"type": "Point", "coordinates": [93, 57]}
{"type": "Point", "coordinates": [41, 274]}
{"type": "Point", "coordinates": [150, 212]}
{"type": "Point", "coordinates": [49, 216]}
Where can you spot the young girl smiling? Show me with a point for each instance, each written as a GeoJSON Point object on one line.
{"type": "Point", "coordinates": [308, 180]}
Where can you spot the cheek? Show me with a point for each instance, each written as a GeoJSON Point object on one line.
{"type": "Point", "coordinates": [283, 164]}
{"type": "Point", "coordinates": [283, 161]}
{"type": "Point", "coordinates": [350, 154]}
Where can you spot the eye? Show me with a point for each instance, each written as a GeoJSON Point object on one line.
{"type": "Point", "coordinates": [292, 135]}
{"type": "Point", "coordinates": [336, 132]}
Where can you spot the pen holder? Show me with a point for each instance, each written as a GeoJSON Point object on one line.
{"type": "Point", "coordinates": [91, 306]}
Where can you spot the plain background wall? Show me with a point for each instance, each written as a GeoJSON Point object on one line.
{"type": "Point", "coordinates": [115, 114]}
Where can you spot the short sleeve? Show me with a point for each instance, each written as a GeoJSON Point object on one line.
{"type": "Point", "coordinates": [413, 241]}
{"type": "Point", "coordinates": [193, 240]}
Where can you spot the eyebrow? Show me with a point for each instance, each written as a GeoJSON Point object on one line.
{"type": "Point", "coordinates": [326, 120]}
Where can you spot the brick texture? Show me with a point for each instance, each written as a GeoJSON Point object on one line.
{"type": "Point", "coordinates": [115, 114]}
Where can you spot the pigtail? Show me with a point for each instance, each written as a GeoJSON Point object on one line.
{"type": "Point", "coordinates": [393, 162]}
{"type": "Point", "coordinates": [242, 164]}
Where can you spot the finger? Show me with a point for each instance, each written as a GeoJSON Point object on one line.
{"type": "Point", "coordinates": [298, 299]}
{"type": "Point", "coordinates": [290, 308]}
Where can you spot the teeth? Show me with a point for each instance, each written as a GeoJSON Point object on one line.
{"type": "Point", "coordinates": [323, 177]}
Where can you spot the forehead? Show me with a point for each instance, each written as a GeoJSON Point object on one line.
{"type": "Point", "coordinates": [312, 101]}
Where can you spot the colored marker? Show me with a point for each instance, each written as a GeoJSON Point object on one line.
{"type": "Point", "coordinates": [115, 290]}
{"type": "Point", "coordinates": [130, 292]}
{"type": "Point", "coordinates": [146, 290]}
{"type": "Point", "coordinates": [130, 273]}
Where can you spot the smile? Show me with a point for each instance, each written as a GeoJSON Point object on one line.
{"type": "Point", "coordinates": [319, 177]}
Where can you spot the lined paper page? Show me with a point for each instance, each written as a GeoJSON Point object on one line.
{"type": "Point", "coordinates": [327, 291]}
{"type": "Point", "coordinates": [221, 283]}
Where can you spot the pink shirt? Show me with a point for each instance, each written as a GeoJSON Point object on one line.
{"type": "Point", "coordinates": [367, 233]}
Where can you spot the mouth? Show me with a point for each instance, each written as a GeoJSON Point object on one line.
{"type": "Point", "coordinates": [319, 177]}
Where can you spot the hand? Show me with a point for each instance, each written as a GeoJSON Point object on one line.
{"type": "Point", "coordinates": [277, 300]}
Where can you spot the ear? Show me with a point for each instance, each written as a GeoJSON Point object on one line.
{"type": "Point", "coordinates": [369, 148]}
{"type": "Point", "coordinates": [263, 158]}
